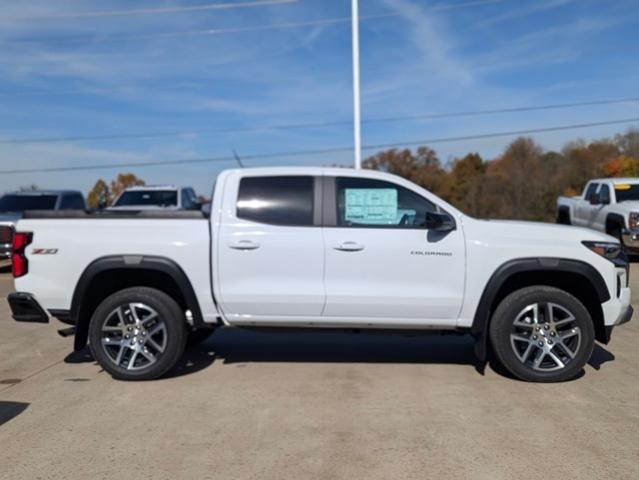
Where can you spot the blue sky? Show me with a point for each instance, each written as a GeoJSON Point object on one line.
{"type": "Point", "coordinates": [67, 75]}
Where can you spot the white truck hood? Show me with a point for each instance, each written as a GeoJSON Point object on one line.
{"type": "Point", "coordinates": [628, 206]}
{"type": "Point", "coordinates": [535, 232]}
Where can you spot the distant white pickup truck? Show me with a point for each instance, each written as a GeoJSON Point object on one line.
{"type": "Point", "coordinates": [319, 248]}
{"type": "Point", "coordinates": [610, 205]}
{"type": "Point", "coordinates": [152, 197]}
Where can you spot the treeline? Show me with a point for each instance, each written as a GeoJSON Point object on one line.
{"type": "Point", "coordinates": [521, 183]}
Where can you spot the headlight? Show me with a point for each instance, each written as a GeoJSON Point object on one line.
{"type": "Point", "coordinates": [633, 220]}
{"type": "Point", "coordinates": [611, 251]}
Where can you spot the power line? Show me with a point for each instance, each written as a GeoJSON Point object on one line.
{"type": "Point", "coordinates": [302, 126]}
{"type": "Point", "coordinates": [256, 28]}
{"type": "Point", "coordinates": [265, 156]}
{"type": "Point", "coordinates": [147, 11]}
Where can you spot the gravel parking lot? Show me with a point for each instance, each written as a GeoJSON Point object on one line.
{"type": "Point", "coordinates": [275, 406]}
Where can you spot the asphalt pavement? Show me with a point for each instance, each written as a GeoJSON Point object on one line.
{"type": "Point", "coordinates": [301, 406]}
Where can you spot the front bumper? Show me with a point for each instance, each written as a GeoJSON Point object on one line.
{"type": "Point", "coordinates": [624, 317]}
{"type": "Point", "coordinates": [630, 240]}
{"type": "Point", "coordinates": [25, 308]}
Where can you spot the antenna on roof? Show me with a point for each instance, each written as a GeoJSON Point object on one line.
{"type": "Point", "coordinates": [238, 159]}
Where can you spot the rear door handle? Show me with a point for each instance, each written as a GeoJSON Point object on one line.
{"type": "Point", "coordinates": [244, 245]}
{"type": "Point", "coordinates": [349, 247]}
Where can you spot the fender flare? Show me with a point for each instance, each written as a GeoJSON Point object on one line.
{"type": "Point", "coordinates": [564, 209]}
{"type": "Point", "coordinates": [128, 262]}
{"type": "Point", "coordinates": [479, 328]}
{"type": "Point", "coordinates": [615, 218]}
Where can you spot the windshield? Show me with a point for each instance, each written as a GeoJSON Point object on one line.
{"type": "Point", "coordinates": [20, 203]}
{"type": "Point", "coordinates": [626, 192]}
{"type": "Point", "coordinates": [160, 198]}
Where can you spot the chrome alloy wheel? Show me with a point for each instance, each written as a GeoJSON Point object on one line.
{"type": "Point", "coordinates": [133, 336]}
{"type": "Point", "coordinates": [545, 336]}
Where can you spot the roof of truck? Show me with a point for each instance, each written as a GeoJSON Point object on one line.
{"type": "Point", "coordinates": [44, 192]}
{"type": "Point", "coordinates": [152, 187]}
{"type": "Point", "coordinates": [618, 180]}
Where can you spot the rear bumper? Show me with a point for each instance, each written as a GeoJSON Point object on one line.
{"type": "Point", "coordinates": [5, 254]}
{"type": "Point", "coordinates": [25, 308]}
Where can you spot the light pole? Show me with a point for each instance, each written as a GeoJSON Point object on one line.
{"type": "Point", "coordinates": [356, 101]}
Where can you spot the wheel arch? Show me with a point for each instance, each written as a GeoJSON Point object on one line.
{"type": "Point", "coordinates": [563, 215]}
{"type": "Point", "coordinates": [107, 275]}
{"type": "Point", "coordinates": [577, 278]}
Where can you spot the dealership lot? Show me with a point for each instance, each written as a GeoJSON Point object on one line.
{"type": "Point", "coordinates": [249, 405]}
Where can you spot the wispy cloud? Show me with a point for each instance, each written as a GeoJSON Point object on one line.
{"type": "Point", "coordinates": [551, 45]}
{"type": "Point", "coordinates": [432, 40]}
{"type": "Point", "coordinates": [520, 10]}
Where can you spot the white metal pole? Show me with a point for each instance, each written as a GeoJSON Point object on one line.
{"type": "Point", "coordinates": [356, 100]}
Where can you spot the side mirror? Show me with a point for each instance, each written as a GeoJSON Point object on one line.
{"type": "Point", "coordinates": [594, 199]}
{"type": "Point", "coordinates": [439, 222]}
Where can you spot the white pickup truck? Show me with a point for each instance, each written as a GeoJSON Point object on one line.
{"type": "Point", "coordinates": [610, 205]}
{"type": "Point", "coordinates": [322, 248]}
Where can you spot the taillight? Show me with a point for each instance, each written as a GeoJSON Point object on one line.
{"type": "Point", "coordinates": [19, 262]}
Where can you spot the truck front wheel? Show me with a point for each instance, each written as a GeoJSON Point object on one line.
{"type": "Point", "coordinates": [542, 334]}
{"type": "Point", "coordinates": [137, 334]}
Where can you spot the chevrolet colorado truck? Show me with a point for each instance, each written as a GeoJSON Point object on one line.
{"type": "Point", "coordinates": [319, 248]}
{"type": "Point", "coordinates": [610, 205]}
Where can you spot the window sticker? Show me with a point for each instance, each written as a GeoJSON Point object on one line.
{"type": "Point", "coordinates": [622, 186]}
{"type": "Point", "coordinates": [371, 206]}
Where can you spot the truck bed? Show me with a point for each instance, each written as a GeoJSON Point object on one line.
{"type": "Point", "coordinates": [114, 214]}
{"type": "Point", "coordinates": [70, 241]}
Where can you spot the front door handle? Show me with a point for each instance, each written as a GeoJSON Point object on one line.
{"type": "Point", "coordinates": [349, 247]}
{"type": "Point", "coordinates": [244, 245]}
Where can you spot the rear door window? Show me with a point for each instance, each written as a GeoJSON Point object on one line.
{"type": "Point", "coordinates": [276, 200]}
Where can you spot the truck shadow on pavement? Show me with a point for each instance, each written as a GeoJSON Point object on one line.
{"type": "Point", "coordinates": [10, 410]}
{"type": "Point", "coordinates": [236, 346]}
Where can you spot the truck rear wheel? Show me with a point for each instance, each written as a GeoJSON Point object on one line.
{"type": "Point", "coordinates": [542, 334]}
{"type": "Point", "coordinates": [137, 334]}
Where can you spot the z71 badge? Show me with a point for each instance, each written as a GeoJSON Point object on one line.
{"type": "Point", "coordinates": [44, 251]}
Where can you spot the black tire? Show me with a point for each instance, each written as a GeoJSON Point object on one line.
{"type": "Point", "coordinates": [563, 217]}
{"type": "Point", "coordinates": [173, 333]}
{"type": "Point", "coordinates": [509, 324]}
{"type": "Point", "coordinates": [195, 337]}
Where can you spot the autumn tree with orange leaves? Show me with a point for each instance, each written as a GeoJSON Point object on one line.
{"type": "Point", "coordinates": [521, 183]}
